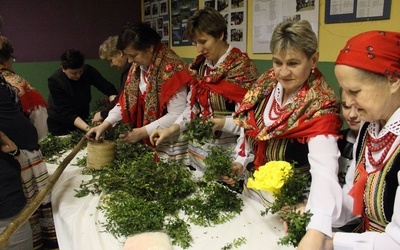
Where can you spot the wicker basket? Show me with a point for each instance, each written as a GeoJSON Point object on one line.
{"type": "Point", "coordinates": [100, 154]}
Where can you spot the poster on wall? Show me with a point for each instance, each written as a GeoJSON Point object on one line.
{"type": "Point", "coordinates": [156, 14]}
{"type": "Point", "coordinates": [234, 12]}
{"type": "Point", "coordinates": [181, 10]}
{"type": "Point", "coordinates": [269, 13]}
{"type": "Point", "coordinates": [340, 11]}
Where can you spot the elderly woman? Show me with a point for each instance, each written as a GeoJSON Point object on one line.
{"type": "Point", "coordinates": [108, 51]}
{"type": "Point", "coordinates": [155, 90]}
{"type": "Point", "coordinates": [222, 74]}
{"type": "Point", "coordinates": [368, 71]}
{"type": "Point", "coordinates": [292, 114]}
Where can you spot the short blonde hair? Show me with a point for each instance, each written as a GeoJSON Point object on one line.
{"type": "Point", "coordinates": [294, 35]}
{"type": "Point", "coordinates": [108, 48]}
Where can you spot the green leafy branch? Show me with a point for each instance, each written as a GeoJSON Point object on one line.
{"type": "Point", "coordinates": [200, 129]}
{"type": "Point", "coordinates": [292, 193]}
{"type": "Point", "coordinates": [218, 163]}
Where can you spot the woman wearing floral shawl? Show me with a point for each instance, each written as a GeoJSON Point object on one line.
{"type": "Point", "coordinates": [221, 76]}
{"type": "Point", "coordinates": [155, 89]}
{"type": "Point", "coordinates": [291, 114]}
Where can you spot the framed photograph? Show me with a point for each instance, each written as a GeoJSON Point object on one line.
{"type": "Point", "coordinates": [163, 8]}
{"type": "Point", "coordinates": [154, 9]}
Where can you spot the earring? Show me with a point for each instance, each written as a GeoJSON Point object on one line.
{"type": "Point", "coordinates": [312, 71]}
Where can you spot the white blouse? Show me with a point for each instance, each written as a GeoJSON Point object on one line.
{"type": "Point", "coordinates": [175, 107]}
{"type": "Point", "coordinates": [38, 118]}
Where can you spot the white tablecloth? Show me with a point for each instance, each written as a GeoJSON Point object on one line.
{"type": "Point", "coordinates": [78, 226]}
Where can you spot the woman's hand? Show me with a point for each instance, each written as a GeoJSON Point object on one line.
{"type": "Point", "coordinates": [219, 123]}
{"type": "Point", "coordinates": [300, 208]}
{"type": "Point", "coordinates": [237, 169]}
{"type": "Point", "coordinates": [160, 134]}
{"type": "Point", "coordinates": [97, 118]}
{"type": "Point", "coordinates": [133, 136]}
{"type": "Point", "coordinates": [6, 145]}
{"type": "Point", "coordinates": [315, 240]}
{"type": "Point", "coordinates": [96, 132]}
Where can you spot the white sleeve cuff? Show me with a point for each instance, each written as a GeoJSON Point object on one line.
{"type": "Point", "coordinates": [354, 241]}
{"type": "Point", "coordinates": [321, 222]}
{"type": "Point", "coordinates": [230, 126]}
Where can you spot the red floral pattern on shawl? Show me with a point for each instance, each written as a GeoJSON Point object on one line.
{"type": "Point", "coordinates": [314, 111]}
{"type": "Point", "coordinates": [166, 76]}
{"type": "Point", "coordinates": [232, 78]}
{"type": "Point", "coordinates": [30, 98]}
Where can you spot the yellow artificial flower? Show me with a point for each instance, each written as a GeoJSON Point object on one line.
{"type": "Point", "coordinates": [271, 176]}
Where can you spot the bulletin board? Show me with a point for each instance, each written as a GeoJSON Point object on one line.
{"type": "Point", "coordinates": [341, 11]}
{"type": "Point", "coordinates": [235, 14]}
{"type": "Point", "coordinates": [156, 14]}
{"type": "Point", "coordinates": [181, 10]}
{"type": "Point", "coordinates": [268, 14]}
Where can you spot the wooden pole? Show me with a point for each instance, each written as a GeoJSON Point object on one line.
{"type": "Point", "coordinates": [31, 207]}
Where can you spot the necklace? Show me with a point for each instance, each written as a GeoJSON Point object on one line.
{"type": "Point", "coordinates": [276, 110]}
{"type": "Point", "coordinates": [374, 145]}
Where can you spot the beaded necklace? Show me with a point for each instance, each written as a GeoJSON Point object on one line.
{"type": "Point", "coordinates": [276, 110]}
{"type": "Point", "coordinates": [374, 145]}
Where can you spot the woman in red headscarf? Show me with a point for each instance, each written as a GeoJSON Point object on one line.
{"type": "Point", "coordinates": [368, 71]}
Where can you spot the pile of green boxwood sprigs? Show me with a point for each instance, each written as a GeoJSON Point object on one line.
{"type": "Point", "coordinates": [141, 194]}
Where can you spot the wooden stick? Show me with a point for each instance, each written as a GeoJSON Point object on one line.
{"type": "Point", "coordinates": [31, 207]}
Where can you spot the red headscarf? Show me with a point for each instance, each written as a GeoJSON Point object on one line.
{"type": "Point", "coordinates": [375, 51]}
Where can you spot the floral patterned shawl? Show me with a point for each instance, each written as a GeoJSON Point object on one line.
{"type": "Point", "coordinates": [232, 78]}
{"type": "Point", "coordinates": [314, 111]}
{"type": "Point", "coordinates": [30, 98]}
{"type": "Point", "coordinates": [166, 76]}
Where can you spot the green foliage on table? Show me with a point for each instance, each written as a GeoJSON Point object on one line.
{"type": "Point", "coordinates": [235, 244]}
{"type": "Point", "coordinates": [218, 163]}
{"type": "Point", "coordinates": [213, 204]}
{"type": "Point", "coordinates": [52, 147]}
{"type": "Point", "coordinates": [143, 195]}
{"type": "Point", "coordinates": [200, 130]}
{"type": "Point", "coordinates": [178, 231]}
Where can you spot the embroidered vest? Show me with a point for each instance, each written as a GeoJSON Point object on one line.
{"type": "Point", "coordinates": [380, 189]}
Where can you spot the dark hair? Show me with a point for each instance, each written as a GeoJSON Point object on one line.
{"type": "Point", "coordinates": [139, 35]}
{"type": "Point", "coordinates": [6, 49]}
{"type": "Point", "coordinates": [207, 20]}
{"type": "Point", "coordinates": [72, 59]}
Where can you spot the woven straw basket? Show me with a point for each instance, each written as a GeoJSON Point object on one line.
{"type": "Point", "coordinates": [100, 154]}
